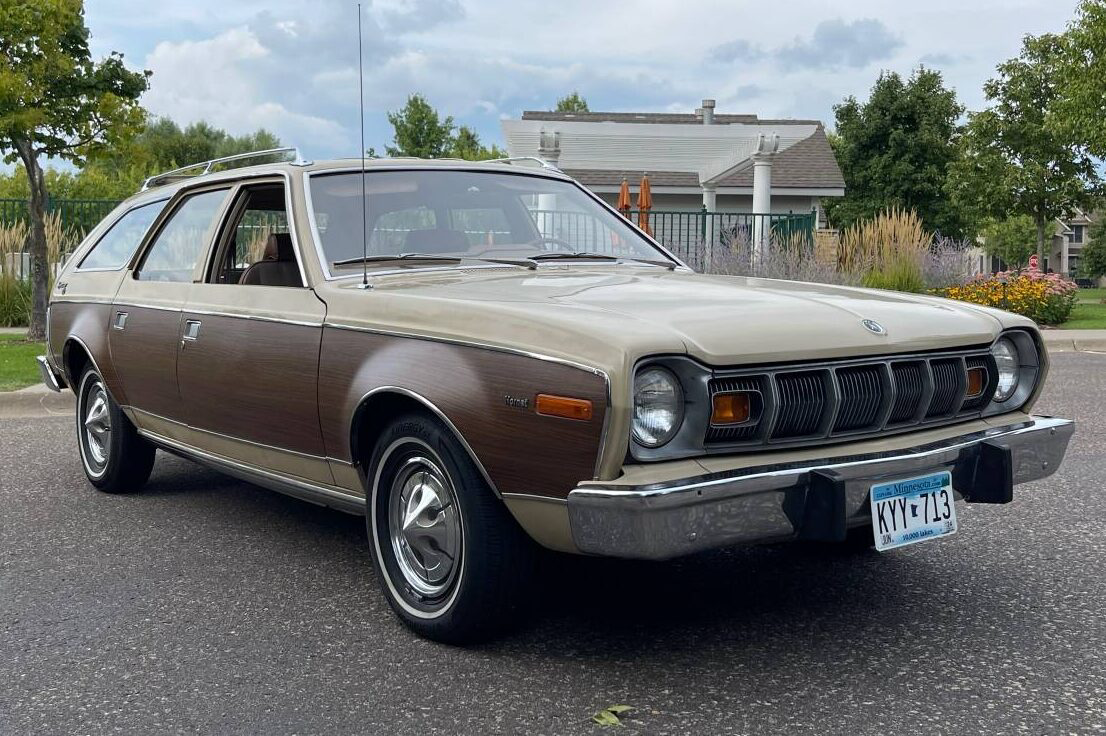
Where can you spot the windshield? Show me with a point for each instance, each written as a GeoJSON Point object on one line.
{"type": "Point", "coordinates": [465, 214]}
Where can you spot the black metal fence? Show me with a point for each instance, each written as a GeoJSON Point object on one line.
{"type": "Point", "coordinates": [75, 216]}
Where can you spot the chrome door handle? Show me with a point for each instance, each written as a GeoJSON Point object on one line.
{"type": "Point", "coordinates": [191, 329]}
{"type": "Point", "coordinates": [120, 321]}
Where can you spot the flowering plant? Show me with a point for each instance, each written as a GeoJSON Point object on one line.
{"type": "Point", "coordinates": [1046, 298]}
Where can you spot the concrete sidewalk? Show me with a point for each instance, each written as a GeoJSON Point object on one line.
{"type": "Point", "coordinates": [1066, 341]}
{"type": "Point", "coordinates": [35, 401]}
{"type": "Point", "coordinates": [13, 330]}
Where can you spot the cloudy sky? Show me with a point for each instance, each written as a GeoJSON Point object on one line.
{"type": "Point", "coordinates": [291, 66]}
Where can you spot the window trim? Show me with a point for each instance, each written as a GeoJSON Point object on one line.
{"type": "Point", "coordinates": [324, 265]}
{"type": "Point", "coordinates": [234, 209]}
{"type": "Point", "coordinates": [79, 267]}
{"type": "Point", "coordinates": [172, 209]}
{"type": "Point", "coordinates": [228, 182]}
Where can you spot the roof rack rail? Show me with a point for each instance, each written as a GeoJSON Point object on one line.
{"type": "Point", "coordinates": [523, 159]}
{"type": "Point", "coordinates": [177, 174]}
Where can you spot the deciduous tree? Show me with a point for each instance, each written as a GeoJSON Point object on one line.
{"type": "Point", "coordinates": [1081, 103]}
{"type": "Point", "coordinates": [895, 149]}
{"type": "Point", "coordinates": [419, 131]}
{"type": "Point", "coordinates": [572, 103]}
{"type": "Point", "coordinates": [466, 144]}
{"type": "Point", "coordinates": [1092, 261]}
{"type": "Point", "coordinates": [1013, 239]}
{"type": "Point", "coordinates": [1014, 161]}
{"type": "Point", "coordinates": [57, 102]}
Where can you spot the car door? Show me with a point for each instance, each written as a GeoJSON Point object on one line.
{"type": "Point", "coordinates": [145, 319]}
{"type": "Point", "coordinates": [249, 349]}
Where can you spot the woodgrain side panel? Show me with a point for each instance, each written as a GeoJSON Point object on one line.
{"type": "Point", "coordinates": [522, 451]}
{"type": "Point", "coordinates": [253, 380]}
{"type": "Point", "coordinates": [88, 323]}
{"type": "Point", "coordinates": [144, 355]}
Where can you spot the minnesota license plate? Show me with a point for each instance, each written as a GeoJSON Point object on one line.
{"type": "Point", "coordinates": [913, 510]}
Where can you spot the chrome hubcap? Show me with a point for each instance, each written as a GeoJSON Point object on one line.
{"type": "Point", "coordinates": [97, 424]}
{"type": "Point", "coordinates": [425, 526]}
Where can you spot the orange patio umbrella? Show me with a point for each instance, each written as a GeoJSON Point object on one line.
{"type": "Point", "coordinates": [644, 204]}
{"type": "Point", "coordinates": [624, 205]}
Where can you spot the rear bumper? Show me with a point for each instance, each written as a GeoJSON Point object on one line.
{"type": "Point", "coordinates": [53, 380]}
{"type": "Point", "coordinates": [809, 500]}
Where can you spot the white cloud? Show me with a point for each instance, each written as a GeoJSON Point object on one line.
{"type": "Point", "coordinates": [291, 66]}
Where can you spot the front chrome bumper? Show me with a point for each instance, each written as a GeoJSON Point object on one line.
{"type": "Point", "coordinates": [810, 500]}
{"type": "Point", "coordinates": [50, 377]}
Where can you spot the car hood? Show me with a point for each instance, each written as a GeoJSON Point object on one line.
{"type": "Point", "coordinates": [592, 313]}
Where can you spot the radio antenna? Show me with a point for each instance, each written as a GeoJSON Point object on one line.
{"type": "Point", "coordinates": [364, 203]}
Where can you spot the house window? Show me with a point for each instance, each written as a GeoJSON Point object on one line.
{"type": "Point", "coordinates": [1076, 234]}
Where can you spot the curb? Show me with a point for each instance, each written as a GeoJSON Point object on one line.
{"type": "Point", "coordinates": [36, 401]}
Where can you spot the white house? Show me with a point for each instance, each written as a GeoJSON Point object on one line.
{"type": "Point", "coordinates": [725, 162]}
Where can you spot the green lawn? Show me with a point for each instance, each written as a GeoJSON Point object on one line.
{"type": "Point", "coordinates": [17, 362]}
{"type": "Point", "coordinates": [1087, 317]}
{"type": "Point", "coordinates": [1091, 296]}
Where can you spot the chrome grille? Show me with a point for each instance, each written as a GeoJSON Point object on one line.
{"type": "Point", "coordinates": [861, 397]}
{"type": "Point", "coordinates": [852, 398]}
{"type": "Point", "coordinates": [949, 384]}
{"type": "Point", "coordinates": [910, 387]}
{"type": "Point", "coordinates": [802, 402]}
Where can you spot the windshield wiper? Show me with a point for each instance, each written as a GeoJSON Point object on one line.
{"type": "Point", "coordinates": [396, 257]}
{"type": "Point", "coordinates": [564, 255]}
{"type": "Point", "coordinates": [524, 262]}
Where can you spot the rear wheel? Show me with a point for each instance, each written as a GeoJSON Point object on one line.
{"type": "Point", "coordinates": [451, 561]}
{"type": "Point", "coordinates": [115, 458]}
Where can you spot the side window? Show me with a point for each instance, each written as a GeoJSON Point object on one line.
{"type": "Point", "coordinates": [114, 249]}
{"type": "Point", "coordinates": [181, 242]}
{"type": "Point", "coordinates": [255, 248]}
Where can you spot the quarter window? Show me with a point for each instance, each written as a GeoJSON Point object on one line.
{"type": "Point", "coordinates": [183, 239]}
{"type": "Point", "coordinates": [118, 244]}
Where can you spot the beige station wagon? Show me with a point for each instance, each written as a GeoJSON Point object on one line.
{"type": "Point", "coordinates": [479, 357]}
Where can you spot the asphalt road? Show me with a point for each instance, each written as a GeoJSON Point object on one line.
{"type": "Point", "coordinates": [208, 605]}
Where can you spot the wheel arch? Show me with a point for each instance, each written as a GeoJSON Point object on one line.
{"type": "Point", "coordinates": [379, 406]}
{"type": "Point", "coordinates": [75, 355]}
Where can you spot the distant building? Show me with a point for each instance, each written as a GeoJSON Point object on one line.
{"type": "Point", "coordinates": [725, 162]}
{"type": "Point", "coordinates": [1071, 234]}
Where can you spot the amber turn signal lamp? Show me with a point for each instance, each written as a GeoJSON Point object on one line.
{"type": "Point", "coordinates": [977, 379]}
{"type": "Point", "coordinates": [730, 408]}
{"type": "Point", "coordinates": [562, 406]}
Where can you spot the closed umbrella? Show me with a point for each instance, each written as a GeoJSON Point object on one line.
{"type": "Point", "coordinates": [624, 205]}
{"type": "Point", "coordinates": [644, 204]}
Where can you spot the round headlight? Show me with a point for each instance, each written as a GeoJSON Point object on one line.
{"type": "Point", "coordinates": [1006, 358]}
{"type": "Point", "coordinates": [658, 406]}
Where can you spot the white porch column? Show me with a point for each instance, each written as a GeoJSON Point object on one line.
{"type": "Point", "coordinates": [549, 150]}
{"type": "Point", "coordinates": [710, 202]}
{"type": "Point", "coordinates": [762, 194]}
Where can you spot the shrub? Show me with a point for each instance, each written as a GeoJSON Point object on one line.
{"type": "Point", "coordinates": [15, 287]}
{"type": "Point", "coordinates": [1046, 298]}
{"type": "Point", "coordinates": [792, 259]}
{"type": "Point", "coordinates": [890, 250]}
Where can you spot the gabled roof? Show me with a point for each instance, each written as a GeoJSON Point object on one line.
{"type": "Point", "coordinates": [677, 149]}
{"type": "Point", "coordinates": [654, 118]}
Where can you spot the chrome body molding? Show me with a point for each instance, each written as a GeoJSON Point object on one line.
{"type": "Point", "coordinates": [52, 380]}
{"type": "Point", "coordinates": [787, 501]}
{"type": "Point", "coordinates": [437, 412]}
{"type": "Point", "coordinates": [534, 497]}
{"type": "Point", "coordinates": [289, 485]}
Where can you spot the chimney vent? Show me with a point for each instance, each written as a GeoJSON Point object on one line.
{"type": "Point", "coordinates": [708, 112]}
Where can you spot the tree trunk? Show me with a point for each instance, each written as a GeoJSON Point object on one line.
{"type": "Point", "coordinates": [1041, 243]}
{"type": "Point", "coordinates": [40, 265]}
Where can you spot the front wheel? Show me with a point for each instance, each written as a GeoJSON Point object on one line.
{"type": "Point", "coordinates": [451, 561]}
{"type": "Point", "coordinates": [115, 458]}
